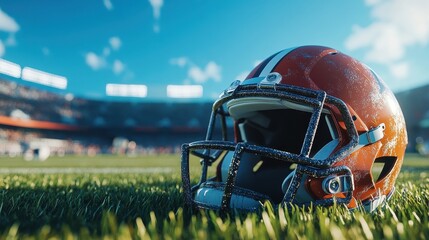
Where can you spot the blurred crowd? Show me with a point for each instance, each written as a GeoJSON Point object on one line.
{"type": "Point", "coordinates": [29, 103]}
{"type": "Point", "coordinates": [145, 128]}
{"type": "Point", "coordinates": [133, 128]}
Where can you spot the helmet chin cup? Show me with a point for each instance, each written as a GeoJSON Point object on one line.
{"type": "Point", "coordinates": [210, 196]}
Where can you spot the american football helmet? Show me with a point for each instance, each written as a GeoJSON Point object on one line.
{"type": "Point", "coordinates": [311, 125]}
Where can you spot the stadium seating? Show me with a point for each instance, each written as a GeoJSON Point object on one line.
{"type": "Point", "coordinates": [84, 124]}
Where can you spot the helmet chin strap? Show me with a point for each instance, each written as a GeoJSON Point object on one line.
{"type": "Point", "coordinates": [372, 136]}
{"type": "Point", "coordinates": [367, 138]}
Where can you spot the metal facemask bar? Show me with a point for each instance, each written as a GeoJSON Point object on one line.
{"type": "Point", "coordinates": [212, 149]}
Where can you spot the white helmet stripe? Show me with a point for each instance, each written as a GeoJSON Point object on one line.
{"type": "Point", "coordinates": [273, 62]}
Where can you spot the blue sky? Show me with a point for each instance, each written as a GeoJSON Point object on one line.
{"type": "Point", "coordinates": [205, 42]}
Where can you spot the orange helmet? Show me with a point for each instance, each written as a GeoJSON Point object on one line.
{"type": "Point", "coordinates": [311, 126]}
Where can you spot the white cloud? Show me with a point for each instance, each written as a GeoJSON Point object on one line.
{"type": "Point", "coordinates": [197, 74]}
{"type": "Point", "coordinates": [11, 41]}
{"type": "Point", "coordinates": [7, 23]}
{"type": "Point", "coordinates": [118, 67]}
{"type": "Point", "coordinates": [97, 62]}
{"type": "Point", "coordinates": [211, 71]}
{"type": "Point", "coordinates": [108, 4]}
{"type": "Point", "coordinates": [383, 40]}
{"type": "Point", "coordinates": [94, 61]}
{"type": "Point", "coordinates": [115, 43]}
{"type": "Point", "coordinates": [2, 48]}
{"type": "Point", "coordinates": [397, 25]}
{"type": "Point", "coordinates": [180, 61]}
{"type": "Point", "coordinates": [400, 70]}
{"type": "Point", "coordinates": [156, 7]}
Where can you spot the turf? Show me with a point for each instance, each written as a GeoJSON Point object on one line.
{"type": "Point", "coordinates": [140, 197]}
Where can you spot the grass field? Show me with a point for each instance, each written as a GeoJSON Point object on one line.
{"type": "Point", "coordinates": [114, 197]}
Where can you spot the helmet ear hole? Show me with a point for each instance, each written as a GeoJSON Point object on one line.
{"type": "Point", "coordinates": [382, 167]}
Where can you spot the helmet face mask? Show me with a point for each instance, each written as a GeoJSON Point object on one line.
{"type": "Point", "coordinates": [292, 144]}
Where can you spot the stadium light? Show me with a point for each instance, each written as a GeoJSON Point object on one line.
{"type": "Point", "coordinates": [44, 78]}
{"type": "Point", "coordinates": [10, 68]}
{"type": "Point", "coordinates": [184, 91]}
{"type": "Point", "coordinates": [126, 90]}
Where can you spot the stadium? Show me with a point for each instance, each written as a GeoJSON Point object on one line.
{"type": "Point", "coordinates": [204, 120]}
{"type": "Point", "coordinates": [39, 125]}
{"type": "Point", "coordinates": [89, 127]}
{"type": "Point", "coordinates": [32, 118]}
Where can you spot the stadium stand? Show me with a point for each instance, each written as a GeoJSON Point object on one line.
{"type": "Point", "coordinates": [31, 118]}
